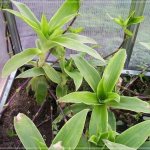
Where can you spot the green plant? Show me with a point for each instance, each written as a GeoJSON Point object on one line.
{"type": "Point", "coordinates": [101, 132]}
{"type": "Point", "coordinates": [126, 23]}
{"type": "Point", "coordinates": [102, 127]}
{"type": "Point", "coordinates": [52, 39]}
{"type": "Point", "coordinates": [32, 139]}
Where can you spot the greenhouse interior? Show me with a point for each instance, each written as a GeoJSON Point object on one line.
{"type": "Point", "coordinates": [75, 74]}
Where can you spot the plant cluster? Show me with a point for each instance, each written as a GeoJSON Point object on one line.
{"type": "Point", "coordinates": [99, 130]}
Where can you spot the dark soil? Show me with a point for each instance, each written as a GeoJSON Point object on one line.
{"type": "Point", "coordinates": [24, 103]}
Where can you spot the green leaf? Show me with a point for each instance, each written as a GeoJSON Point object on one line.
{"type": "Point", "coordinates": [135, 20]}
{"type": "Point", "coordinates": [25, 19]}
{"type": "Point", "coordinates": [77, 46]}
{"type": "Point", "coordinates": [145, 146]}
{"type": "Point", "coordinates": [83, 144]}
{"type": "Point", "coordinates": [44, 25]}
{"type": "Point", "coordinates": [61, 90]}
{"type": "Point", "coordinates": [41, 90]}
{"type": "Point", "coordinates": [81, 38]}
{"type": "Point", "coordinates": [26, 12]}
{"type": "Point", "coordinates": [52, 74]}
{"type": "Point", "coordinates": [89, 73]}
{"type": "Point", "coordinates": [131, 103]}
{"type": "Point", "coordinates": [34, 72]}
{"type": "Point", "coordinates": [68, 8]}
{"type": "Point", "coordinates": [146, 45]}
{"type": "Point", "coordinates": [111, 73]}
{"type": "Point", "coordinates": [112, 120]}
{"type": "Point", "coordinates": [136, 135]}
{"type": "Point", "coordinates": [111, 96]}
{"type": "Point", "coordinates": [74, 108]}
{"type": "Point", "coordinates": [31, 23]}
{"type": "Point", "coordinates": [59, 52]}
{"type": "Point", "coordinates": [63, 22]}
{"type": "Point", "coordinates": [80, 97]}
{"type": "Point", "coordinates": [76, 76]}
{"type": "Point", "coordinates": [72, 131]}
{"type": "Point", "coordinates": [116, 146]}
{"type": "Point", "coordinates": [128, 32]}
{"type": "Point", "coordinates": [28, 133]}
{"type": "Point", "coordinates": [97, 122]}
{"type": "Point", "coordinates": [119, 21]}
{"type": "Point", "coordinates": [19, 60]}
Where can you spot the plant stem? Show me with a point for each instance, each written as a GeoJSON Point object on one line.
{"type": "Point", "coordinates": [72, 22]}
{"type": "Point", "coordinates": [124, 39]}
{"type": "Point", "coordinates": [55, 98]}
{"type": "Point", "coordinates": [103, 118]}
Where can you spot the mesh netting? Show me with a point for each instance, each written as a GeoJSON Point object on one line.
{"type": "Point", "coordinates": [93, 18]}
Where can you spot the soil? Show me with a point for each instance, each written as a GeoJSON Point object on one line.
{"type": "Point", "coordinates": [24, 103]}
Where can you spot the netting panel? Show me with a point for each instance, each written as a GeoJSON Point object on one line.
{"type": "Point", "coordinates": [93, 18]}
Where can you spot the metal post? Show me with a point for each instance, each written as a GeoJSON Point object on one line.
{"type": "Point", "coordinates": [12, 27]}
{"type": "Point", "coordinates": [138, 7]}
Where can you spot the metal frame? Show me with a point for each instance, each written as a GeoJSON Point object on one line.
{"type": "Point", "coordinates": [138, 6]}
{"type": "Point", "coordinates": [12, 27]}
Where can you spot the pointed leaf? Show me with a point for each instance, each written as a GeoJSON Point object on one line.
{"type": "Point", "coordinates": [111, 96]}
{"type": "Point", "coordinates": [68, 8]}
{"type": "Point", "coordinates": [80, 97]}
{"type": "Point", "coordinates": [72, 134]}
{"type": "Point", "coordinates": [81, 38]}
{"type": "Point", "coordinates": [77, 46]}
{"type": "Point", "coordinates": [145, 146]}
{"type": "Point", "coordinates": [34, 72]}
{"type": "Point", "coordinates": [97, 123]}
{"type": "Point", "coordinates": [63, 21]}
{"type": "Point", "coordinates": [83, 144]}
{"type": "Point", "coordinates": [128, 32]}
{"type": "Point", "coordinates": [116, 146]}
{"type": "Point", "coordinates": [135, 136]}
{"type": "Point", "coordinates": [25, 11]}
{"type": "Point", "coordinates": [31, 23]}
{"type": "Point", "coordinates": [89, 73]}
{"type": "Point", "coordinates": [61, 90]}
{"type": "Point", "coordinates": [52, 74]}
{"type": "Point", "coordinates": [112, 120]}
{"type": "Point", "coordinates": [135, 20]}
{"type": "Point", "coordinates": [119, 21]}
{"type": "Point", "coordinates": [41, 90]}
{"type": "Point", "coordinates": [74, 108]}
{"type": "Point", "coordinates": [131, 103]}
{"type": "Point", "coordinates": [112, 73]}
{"type": "Point", "coordinates": [28, 133]}
{"type": "Point", "coordinates": [44, 25]}
{"type": "Point", "coordinates": [76, 76]}
{"type": "Point", "coordinates": [19, 60]}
